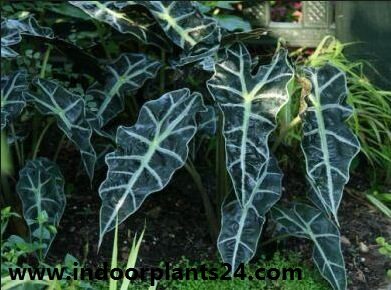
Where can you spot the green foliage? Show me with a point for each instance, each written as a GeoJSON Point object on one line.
{"type": "Point", "coordinates": [255, 174]}
{"type": "Point", "coordinates": [381, 200]}
{"type": "Point", "coordinates": [6, 162]}
{"type": "Point", "coordinates": [371, 120]}
{"type": "Point", "coordinates": [148, 154]}
{"type": "Point", "coordinates": [328, 144]}
{"type": "Point", "coordinates": [70, 113]}
{"type": "Point", "coordinates": [385, 247]}
{"type": "Point", "coordinates": [77, 84]}
{"type": "Point", "coordinates": [41, 189]}
{"type": "Point", "coordinates": [311, 280]}
{"type": "Point", "coordinates": [304, 221]}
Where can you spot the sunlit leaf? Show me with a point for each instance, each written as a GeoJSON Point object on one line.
{"type": "Point", "coordinates": [307, 222]}
{"type": "Point", "coordinates": [148, 154]}
{"type": "Point", "coordinates": [29, 26]}
{"type": "Point", "coordinates": [41, 189]}
{"type": "Point", "coordinates": [328, 144]}
{"type": "Point", "coordinates": [8, 37]}
{"type": "Point", "coordinates": [12, 100]}
{"type": "Point", "coordinates": [110, 13]}
{"type": "Point", "coordinates": [69, 110]}
{"type": "Point", "coordinates": [12, 29]}
{"type": "Point", "coordinates": [197, 35]}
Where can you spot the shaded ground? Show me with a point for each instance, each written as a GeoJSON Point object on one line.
{"type": "Point", "coordinates": [176, 227]}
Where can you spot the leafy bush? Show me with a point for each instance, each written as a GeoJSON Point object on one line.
{"type": "Point", "coordinates": [172, 45]}
{"type": "Point", "coordinates": [311, 280]}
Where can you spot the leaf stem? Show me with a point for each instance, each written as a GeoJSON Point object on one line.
{"type": "Point", "coordinates": [210, 214]}
{"type": "Point", "coordinates": [59, 146]}
{"type": "Point", "coordinates": [45, 61]}
{"type": "Point", "coordinates": [276, 238]}
{"type": "Point", "coordinates": [162, 73]}
{"type": "Point", "coordinates": [17, 148]}
{"type": "Point", "coordinates": [39, 141]}
{"type": "Point", "coordinates": [296, 121]}
{"type": "Point", "coordinates": [40, 254]}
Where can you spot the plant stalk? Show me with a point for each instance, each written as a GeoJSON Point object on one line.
{"type": "Point", "coordinates": [162, 79]}
{"type": "Point", "coordinates": [17, 148]}
{"type": "Point", "coordinates": [39, 141]}
{"type": "Point", "coordinates": [45, 61]}
{"type": "Point", "coordinates": [59, 146]}
{"type": "Point", "coordinates": [296, 121]}
{"type": "Point", "coordinates": [276, 238]}
{"type": "Point", "coordinates": [210, 214]}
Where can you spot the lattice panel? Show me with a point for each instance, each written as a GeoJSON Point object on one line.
{"type": "Point", "coordinates": [316, 13]}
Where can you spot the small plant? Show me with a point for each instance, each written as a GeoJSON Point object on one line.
{"type": "Point", "coordinates": [132, 257]}
{"type": "Point", "coordinates": [15, 248]}
{"type": "Point", "coordinates": [384, 249]}
{"type": "Point", "coordinates": [193, 50]}
{"type": "Point", "coordinates": [311, 280]}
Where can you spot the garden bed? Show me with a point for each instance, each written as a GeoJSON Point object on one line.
{"type": "Point", "coordinates": [176, 227]}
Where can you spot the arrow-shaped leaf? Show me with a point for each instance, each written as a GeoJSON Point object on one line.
{"type": "Point", "coordinates": [242, 225]}
{"type": "Point", "coordinates": [29, 26]}
{"type": "Point", "coordinates": [12, 100]}
{"type": "Point", "coordinates": [69, 110]}
{"type": "Point", "coordinates": [307, 222]}
{"type": "Point", "coordinates": [109, 12]}
{"type": "Point", "coordinates": [11, 30]}
{"type": "Point", "coordinates": [9, 37]}
{"type": "Point", "coordinates": [197, 35]}
{"type": "Point", "coordinates": [41, 189]}
{"type": "Point", "coordinates": [126, 74]}
{"type": "Point", "coordinates": [149, 153]}
{"type": "Point", "coordinates": [250, 104]}
{"type": "Point", "coordinates": [328, 144]}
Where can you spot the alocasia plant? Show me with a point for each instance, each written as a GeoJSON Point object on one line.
{"type": "Point", "coordinates": [12, 30]}
{"type": "Point", "coordinates": [29, 26]}
{"type": "Point", "coordinates": [9, 37]}
{"type": "Point", "coordinates": [249, 104]}
{"type": "Point", "coordinates": [125, 75]}
{"type": "Point", "coordinates": [41, 189]}
{"type": "Point", "coordinates": [148, 154]}
{"type": "Point", "coordinates": [69, 110]}
{"type": "Point", "coordinates": [197, 35]}
{"type": "Point", "coordinates": [328, 144]}
{"type": "Point", "coordinates": [242, 224]}
{"type": "Point", "coordinates": [109, 12]}
{"type": "Point", "coordinates": [12, 99]}
{"type": "Point", "coordinates": [307, 222]}
{"type": "Point", "coordinates": [142, 158]}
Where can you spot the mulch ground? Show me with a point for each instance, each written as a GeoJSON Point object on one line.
{"type": "Point", "coordinates": [176, 227]}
